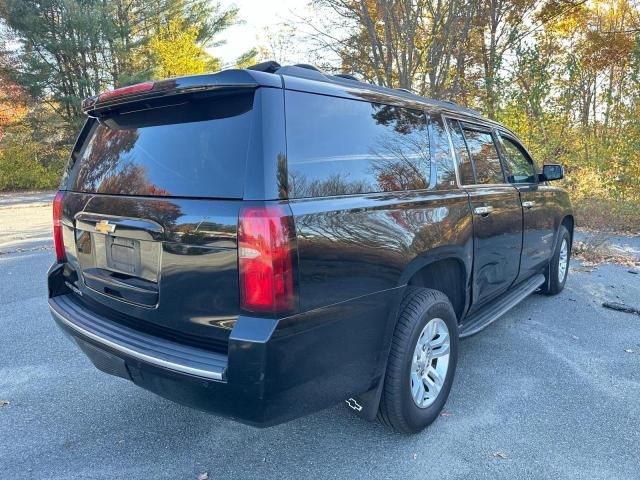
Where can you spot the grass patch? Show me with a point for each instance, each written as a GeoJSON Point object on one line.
{"type": "Point", "coordinates": [608, 216]}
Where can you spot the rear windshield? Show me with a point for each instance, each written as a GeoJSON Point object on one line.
{"type": "Point", "coordinates": [196, 148]}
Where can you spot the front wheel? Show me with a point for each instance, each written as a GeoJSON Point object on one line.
{"type": "Point", "coordinates": [558, 269]}
{"type": "Point", "coordinates": [422, 361]}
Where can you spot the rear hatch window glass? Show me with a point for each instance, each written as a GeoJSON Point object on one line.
{"type": "Point", "coordinates": [196, 147]}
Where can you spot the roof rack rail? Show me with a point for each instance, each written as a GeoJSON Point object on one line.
{"type": "Point", "coordinates": [348, 76]}
{"type": "Point", "coordinates": [310, 72]}
{"type": "Point", "coordinates": [268, 66]}
{"type": "Point", "coordinates": [307, 66]}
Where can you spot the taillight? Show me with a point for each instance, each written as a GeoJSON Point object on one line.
{"type": "Point", "coordinates": [265, 259]}
{"type": "Point", "coordinates": [57, 227]}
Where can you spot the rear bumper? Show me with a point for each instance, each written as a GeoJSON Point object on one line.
{"type": "Point", "coordinates": [130, 343]}
{"type": "Point", "coordinates": [274, 370]}
{"type": "Point", "coordinates": [193, 377]}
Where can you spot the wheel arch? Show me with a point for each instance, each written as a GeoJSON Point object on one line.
{"type": "Point", "coordinates": [454, 265]}
{"type": "Point", "coordinates": [449, 275]}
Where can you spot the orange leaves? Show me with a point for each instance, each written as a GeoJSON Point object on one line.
{"type": "Point", "coordinates": [605, 50]}
{"type": "Point", "coordinates": [13, 105]}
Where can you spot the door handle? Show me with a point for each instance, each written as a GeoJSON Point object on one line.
{"type": "Point", "coordinates": [528, 204]}
{"type": "Point", "coordinates": [483, 211]}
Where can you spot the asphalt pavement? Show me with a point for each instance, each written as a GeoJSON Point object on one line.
{"type": "Point", "coordinates": [25, 221]}
{"type": "Point", "coordinates": [551, 390]}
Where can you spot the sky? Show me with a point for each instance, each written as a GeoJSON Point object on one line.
{"type": "Point", "coordinates": [257, 14]}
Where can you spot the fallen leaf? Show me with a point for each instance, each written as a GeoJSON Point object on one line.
{"type": "Point", "coordinates": [500, 455]}
{"type": "Point", "coordinates": [203, 476]}
{"type": "Point", "coordinates": [4, 402]}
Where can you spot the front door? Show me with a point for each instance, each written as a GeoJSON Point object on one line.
{"type": "Point", "coordinates": [538, 228]}
{"type": "Point", "coordinates": [497, 212]}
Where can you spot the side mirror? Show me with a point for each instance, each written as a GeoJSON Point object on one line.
{"type": "Point", "coordinates": [552, 172]}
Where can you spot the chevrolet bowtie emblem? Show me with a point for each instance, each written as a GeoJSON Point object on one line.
{"type": "Point", "coordinates": [103, 226]}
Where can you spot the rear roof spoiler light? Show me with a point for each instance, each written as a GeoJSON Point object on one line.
{"type": "Point", "coordinates": [127, 94]}
{"type": "Point", "coordinates": [130, 90]}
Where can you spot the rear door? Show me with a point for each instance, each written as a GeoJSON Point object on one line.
{"type": "Point", "coordinates": [154, 196]}
{"type": "Point", "coordinates": [497, 213]}
{"type": "Point", "coordinates": [538, 224]}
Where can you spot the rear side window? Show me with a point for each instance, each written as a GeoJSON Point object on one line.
{"type": "Point", "coordinates": [195, 148]}
{"type": "Point", "coordinates": [518, 164]}
{"type": "Point", "coordinates": [464, 161]}
{"type": "Point", "coordinates": [484, 156]}
{"type": "Point", "coordinates": [337, 146]}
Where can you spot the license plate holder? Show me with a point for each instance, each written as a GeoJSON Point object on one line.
{"type": "Point", "coordinates": [123, 255]}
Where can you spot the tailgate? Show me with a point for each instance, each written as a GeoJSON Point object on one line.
{"type": "Point", "coordinates": [163, 266]}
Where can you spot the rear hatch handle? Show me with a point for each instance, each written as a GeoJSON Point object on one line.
{"type": "Point", "coordinates": [133, 228]}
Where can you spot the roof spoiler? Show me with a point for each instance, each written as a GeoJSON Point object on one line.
{"type": "Point", "coordinates": [227, 80]}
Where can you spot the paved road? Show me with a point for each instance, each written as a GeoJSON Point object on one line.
{"type": "Point", "coordinates": [547, 392]}
{"type": "Point", "coordinates": [25, 221]}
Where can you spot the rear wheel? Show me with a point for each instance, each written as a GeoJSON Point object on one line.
{"type": "Point", "coordinates": [558, 269]}
{"type": "Point", "coordinates": [422, 361]}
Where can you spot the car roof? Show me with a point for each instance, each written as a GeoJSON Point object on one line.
{"type": "Point", "coordinates": [309, 79]}
{"type": "Point", "coordinates": [306, 78]}
{"type": "Point", "coordinates": [303, 78]}
{"type": "Point", "coordinates": [317, 78]}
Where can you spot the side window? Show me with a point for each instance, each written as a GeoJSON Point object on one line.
{"type": "Point", "coordinates": [484, 155]}
{"type": "Point", "coordinates": [464, 162]}
{"type": "Point", "coordinates": [441, 154]}
{"type": "Point", "coordinates": [518, 165]}
{"type": "Point", "coordinates": [337, 146]}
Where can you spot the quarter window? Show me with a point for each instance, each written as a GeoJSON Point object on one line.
{"type": "Point", "coordinates": [484, 155]}
{"type": "Point", "coordinates": [337, 146]}
{"type": "Point", "coordinates": [518, 165]}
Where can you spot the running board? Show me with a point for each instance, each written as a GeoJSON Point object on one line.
{"type": "Point", "coordinates": [498, 307]}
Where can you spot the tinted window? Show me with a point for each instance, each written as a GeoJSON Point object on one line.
{"type": "Point", "coordinates": [441, 154]}
{"type": "Point", "coordinates": [518, 166]}
{"type": "Point", "coordinates": [464, 163]}
{"type": "Point", "coordinates": [197, 148]}
{"type": "Point", "coordinates": [485, 156]}
{"type": "Point", "coordinates": [337, 146]}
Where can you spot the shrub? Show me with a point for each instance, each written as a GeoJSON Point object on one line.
{"type": "Point", "coordinates": [28, 165]}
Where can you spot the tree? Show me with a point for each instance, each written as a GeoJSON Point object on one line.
{"type": "Point", "coordinates": [178, 52]}
{"type": "Point", "coordinates": [66, 50]}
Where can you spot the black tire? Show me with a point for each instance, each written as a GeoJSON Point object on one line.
{"type": "Point", "coordinates": [553, 284]}
{"type": "Point", "coordinates": [398, 409]}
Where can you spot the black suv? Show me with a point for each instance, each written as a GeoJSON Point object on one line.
{"type": "Point", "coordinates": [264, 243]}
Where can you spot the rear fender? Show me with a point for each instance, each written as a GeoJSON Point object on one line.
{"type": "Point", "coordinates": [366, 404]}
